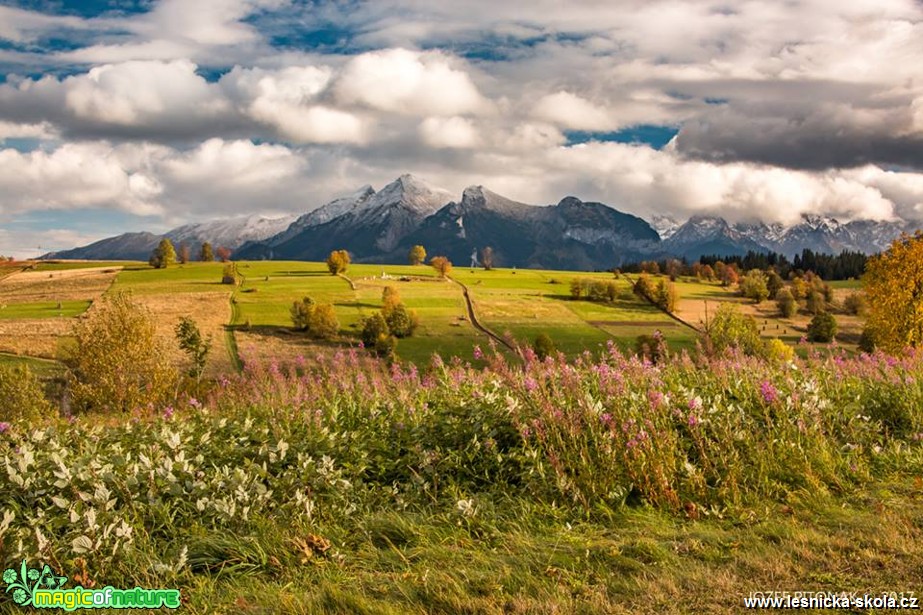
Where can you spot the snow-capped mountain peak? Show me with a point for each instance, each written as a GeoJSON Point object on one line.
{"type": "Point", "coordinates": [230, 232]}
{"type": "Point", "coordinates": [666, 226]}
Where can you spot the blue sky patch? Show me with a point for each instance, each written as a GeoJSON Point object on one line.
{"type": "Point", "coordinates": [93, 220]}
{"type": "Point", "coordinates": [646, 134]}
{"type": "Point", "coordinates": [86, 8]}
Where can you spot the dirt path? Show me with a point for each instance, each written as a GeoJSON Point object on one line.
{"type": "Point", "coordinates": [352, 284]}
{"type": "Point", "coordinates": [474, 319]}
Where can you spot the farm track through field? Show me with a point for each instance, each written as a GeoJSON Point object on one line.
{"type": "Point", "coordinates": [474, 319]}
{"type": "Point", "coordinates": [230, 340]}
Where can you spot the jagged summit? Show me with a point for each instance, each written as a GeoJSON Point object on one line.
{"type": "Point", "coordinates": [380, 226]}
{"type": "Point", "coordinates": [412, 193]}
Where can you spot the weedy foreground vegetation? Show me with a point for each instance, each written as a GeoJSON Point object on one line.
{"type": "Point", "coordinates": [528, 482]}
{"type": "Point", "coordinates": [602, 484]}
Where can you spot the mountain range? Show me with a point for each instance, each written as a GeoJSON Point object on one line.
{"type": "Point", "coordinates": [572, 234]}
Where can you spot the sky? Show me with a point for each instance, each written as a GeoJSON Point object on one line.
{"type": "Point", "coordinates": [124, 115]}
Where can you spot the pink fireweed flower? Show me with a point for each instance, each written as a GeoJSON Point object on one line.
{"type": "Point", "coordinates": [769, 392]}
{"type": "Point", "coordinates": [654, 398]}
{"type": "Point", "coordinates": [168, 412]}
{"type": "Point", "coordinates": [478, 353]}
{"type": "Point", "coordinates": [530, 384]}
{"type": "Point", "coordinates": [693, 420]}
{"type": "Point", "coordinates": [695, 403]}
{"type": "Point", "coordinates": [606, 419]}
{"type": "Point", "coordinates": [4, 426]}
{"type": "Point", "coordinates": [195, 403]}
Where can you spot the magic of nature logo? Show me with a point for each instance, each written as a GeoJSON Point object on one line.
{"type": "Point", "coordinates": [43, 588]}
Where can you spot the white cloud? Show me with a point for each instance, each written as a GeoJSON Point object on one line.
{"type": "Point", "coordinates": [785, 108]}
{"type": "Point", "coordinates": [649, 182]}
{"type": "Point", "coordinates": [287, 101]}
{"type": "Point", "coordinates": [450, 132]}
{"type": "Point", "coordinates": [403, 81]}
{"type": "Point", "coordinates": [21, 26]}
{"type": "Point", "coordinates": [13, 130]}
{"type": "Point", "coordinates": [571, 111]}
{"type": "Point", "coordinates": [133, 93]}
{"type": "Point", "coordinates": [76, 175]}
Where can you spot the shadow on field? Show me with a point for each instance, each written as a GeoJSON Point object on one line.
{"type": "Point", "coordinates": [288, 334]}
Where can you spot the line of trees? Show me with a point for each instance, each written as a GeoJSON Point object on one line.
{"type": "Point", "coordinates": [165, 254]}
{"type": "Point", "coordinates": [843, 266]}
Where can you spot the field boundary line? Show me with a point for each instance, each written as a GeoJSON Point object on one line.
{"type": "Point", "coordinates": [668, 313]}
{"type": "Point", "coordinates": [474, 319]}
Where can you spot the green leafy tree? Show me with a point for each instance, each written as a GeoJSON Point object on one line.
{"type": "Point", "coordinates": [816, 302]}
{"type": "Point", "coordinates": [576, 289]}
{"type": "Point", "coordinates": [731, 329]}
{"type": "Point", "coordinates": [206, 254]}
{"type": "Point", "coordinates": [401, 321]}
{"type": "Point", "coordinates": [117, 362]}
{"type": "Point", "coordinates": [823, 328]}
{"type": "Point", "coordinates": [894, 286]}
{"type": "Point", "coordinates": [754, 286]}
{"type": "Point", "coordinates": [599, 290]}
{"type": "Point", "coordinates": [417, 255]}
{"type": "Point", "coordinates": [163, 255]}
{"type": "Point", "coordinates": [651, 347]}
{"type": "Point", "coordinates": [301, 313]}
{"type": "Point", "coordinates": [376, 336]}
{"type": "Point", "coordinates": [867, 341]}
{"type": "Point", "coordinates": [323, 323]}
{"type": "Point", "coordinates": [194, 345]}
{"type": "Point", "coordinates": [338, 261]}
{"type": "Point", "coordinates": [385, 346]}
{"type": "Point", "coordinates": [229, 275]}
{"type": "Point", "coordinates": [373, 327]}
{"type": "Point", "coordinates": [788, 307]}
{"type": "Point", "coordinates": [774, 283]}
{"type": "Point", "coordinates": [543, 346]}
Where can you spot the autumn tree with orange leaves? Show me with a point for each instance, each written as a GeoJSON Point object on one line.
{"type": "Point", "coordinates": [894, 286]}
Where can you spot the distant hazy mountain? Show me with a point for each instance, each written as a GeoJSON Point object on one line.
{"type": "Point", "coordinates": [230, 233]}
{"type": "Point", "coordinates": [709, 235]}
{"type": "Point", "coordinates": [712, 235]}
{"type": "Point", "coordinates": [382, 226]}
{"type": "Point", "coordinates": [128, 246]}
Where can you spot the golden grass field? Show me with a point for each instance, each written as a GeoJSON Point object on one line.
{"type": "Point", "coordinates": [65, 285]}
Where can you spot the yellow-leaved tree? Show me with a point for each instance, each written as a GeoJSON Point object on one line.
{"type": "Point", "coordinates": [118, 362]}
{"type": "Point", "coordinates": [893, 283]}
